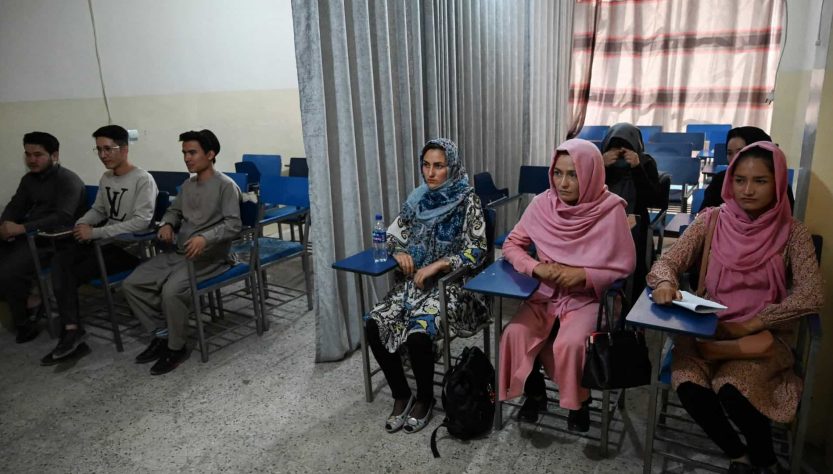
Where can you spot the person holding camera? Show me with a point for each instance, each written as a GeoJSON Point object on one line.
{"type": "Point", "coordinates": [632, 174]}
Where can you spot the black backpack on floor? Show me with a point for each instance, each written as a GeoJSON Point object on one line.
{"type": "Point", "coordinates": [468, 397]}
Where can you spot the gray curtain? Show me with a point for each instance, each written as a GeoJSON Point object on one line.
{"type": "Point", "coordinates": [379, 78]}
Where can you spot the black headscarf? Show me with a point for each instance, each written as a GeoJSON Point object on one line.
{"type": "Point", "coordinates": [748, 135]}
{"type": "Point", "coordinates": [711, 196]}
{"type": "Point", "coordinates": [619, 176]}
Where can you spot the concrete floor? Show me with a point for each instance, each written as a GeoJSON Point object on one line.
{"type": "Point", "coordinates": [258, 405]}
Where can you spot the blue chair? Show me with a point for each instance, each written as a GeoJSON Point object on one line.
{"type": "Point", "coordinates": [660, 218]}
{"type": "Point", "coordinates": [697, 199]}
{"type": "Point", "coordinates": [675, 429]}
{"type": "Point", "coordinates": [107, 281]}
{"type": "Point", "coordinates": [269, 166]}
{"type": "Point", "coordinates": [598, 143]}
{"type": "Point", "coordinates": [720, 155]}
{"type": "Point", "coordinates": [169, 181]}
{"type": "Point", "coordinates": [240, 271]}
{"type": "Point", "coordinates": [593, 132]}
{"type": "Point", "coordinates": [648, 131]}
{"type": "Point", "coordinates": [486, 190]}
{"type": "Point", "coordinates": [288, 201]}
{"type": "Point", "coordinates": [685, 175]}
{"type": "Point", "coordinates": [532, 180]}
{"type": "Point", "coordinates": [696, 139]}
{"type": "Point", "coordinates": [241, 180]}
{"type": "Point", "coordinates": [252, 173]}
{"type": "Point", "coordinates": [362, 263]}
{"type": "Point", "coordinates": [489, 216]}
{"type": "Point", "coordinates": [715, 133]}
{"type": "Point", "coordinates": [298, 168]}
{"type": "Point", "coordinates": [672, 148]}
{"type": "Point", "coordinates": [92, 192]}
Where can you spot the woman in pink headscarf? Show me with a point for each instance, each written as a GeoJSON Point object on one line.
{"type": "Point", "coordinates": [762, 266]}
{"type": "Point", "coordinates": [583, 243]}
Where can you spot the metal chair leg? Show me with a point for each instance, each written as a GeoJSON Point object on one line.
{"type": "Point", "coordinates": [197, 312]}
{"type": "Point", "coordinates": [111, 310]}
{"type": "Point", "coordinates": [368, 390]}
{"type": "Point", "coordinates": [605, 421]}
{"type": "Point", "coordinates": [219, 298]}
{"type": "Point", "coordinates": [212, 306]}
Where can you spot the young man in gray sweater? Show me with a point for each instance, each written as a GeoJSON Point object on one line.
{"type": "Point", "coordinates": [203, 220]}
{"type": "Point", "coordinates": [49, 198]}
{"type": "Point", "coordinates": [124, 204]}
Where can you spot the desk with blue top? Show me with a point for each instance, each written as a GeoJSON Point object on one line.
{"type": "Point", "coordinates": [666, 319]}
{"type": "Point", "coordinates": [361, 264]}
{"type": "Point", "coordinates": [678, 223]}
{"type": "Point", "coordinates": [502, 280]}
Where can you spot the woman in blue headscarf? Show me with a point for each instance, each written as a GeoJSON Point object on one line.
{"type": "Point", "coordinates": [440, 229]}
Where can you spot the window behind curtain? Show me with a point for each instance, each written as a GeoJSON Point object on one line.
{"type": "Point", "coordinates": [674, 62]}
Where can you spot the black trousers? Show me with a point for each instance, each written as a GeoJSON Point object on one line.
{"type": "Point", "coordinates": [76, 265]}
{"type": "Point", "coordinates": [710, 411]}
{"type": "Point", "coordinates": [421, 354]}
{"type": "Point", "coordinates": [17, 273]}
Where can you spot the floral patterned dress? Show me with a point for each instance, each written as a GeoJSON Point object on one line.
{"type": "Point", "coordinates": [407, 309]}
{"type": "Point", "coordinates": [769, 383]}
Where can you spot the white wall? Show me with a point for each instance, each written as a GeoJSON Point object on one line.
{"type": "Point", "coordinates": [148, 47]}
{"type": "Point", "coordinates": [168, 66]}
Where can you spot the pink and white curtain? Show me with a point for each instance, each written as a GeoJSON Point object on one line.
{"type": "Point", "coordinates": [674, 62]}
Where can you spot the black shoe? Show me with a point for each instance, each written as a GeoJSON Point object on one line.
{"type": "Point", "coordinates": [579, 420]}
{"type": "Point", "coordinates": [155, 350]}
{"type": "Point", "coordinates": [70, 340]}
{"type": "Point", "coordinates": [26, 332]}
{"type": "Point", "coordinates": [169, 361]}
{"type": "Point", "coordinates": [79, 352]}
{"type": "Point", "coordinates": [532, 408]}
{"type": "Point", "coordinates": [736, 467]}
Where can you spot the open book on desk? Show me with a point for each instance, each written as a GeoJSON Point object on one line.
{"type": "Point", "coordinates": [694, 303]}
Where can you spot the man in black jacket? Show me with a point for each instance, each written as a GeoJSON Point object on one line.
{"type": "Point", "coordinates": [48, 198]}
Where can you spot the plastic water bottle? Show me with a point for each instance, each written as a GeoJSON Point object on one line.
{"type": "Point", "coordinates": [380, 248]}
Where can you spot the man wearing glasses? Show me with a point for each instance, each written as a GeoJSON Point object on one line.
{"type": "Point", "coordinates": [124, 204]}
{"type": "Point", "coordinates": [48, 198]}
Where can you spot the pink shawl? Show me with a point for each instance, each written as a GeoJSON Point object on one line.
{"type": "Point", "coordinates": [746, 266]}
{"type": "Point", "coordinates": [594, 233]}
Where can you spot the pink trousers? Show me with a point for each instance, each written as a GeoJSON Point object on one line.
{"type": "Point", "coordinates": [527, 336]}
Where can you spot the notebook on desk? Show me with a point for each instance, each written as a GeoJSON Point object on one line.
{"type": "Point", "coordinates": [694, 303]}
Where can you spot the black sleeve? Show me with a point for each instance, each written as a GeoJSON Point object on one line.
{"type": "Point", "coordinates": [711, 196]}
{"type": "Point", "coordinates": [15, 210]}
{"type": "Point", "coordinates": [69, 195]}
{"type": "Point", "coordinates": [646, 178]}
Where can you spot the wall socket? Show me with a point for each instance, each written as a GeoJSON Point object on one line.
{"type": "Point", "coordinates": [133, 135]}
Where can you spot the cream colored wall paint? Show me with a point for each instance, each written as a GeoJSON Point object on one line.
{"type": "Point", "coordinates": [817, 218]}
{"type": "Point", "coordinates": [787, 130]}
{"type": "Point", "coordinates": [245, 122]}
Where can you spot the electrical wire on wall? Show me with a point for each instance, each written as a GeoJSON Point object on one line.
{"type": "Point", "coordinates": [770, 98]}
{"type": "Point", "coordinates": [98, 59]}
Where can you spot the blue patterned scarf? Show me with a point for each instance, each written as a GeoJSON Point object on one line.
{"type": "Point", "coordinates": [436, 216]}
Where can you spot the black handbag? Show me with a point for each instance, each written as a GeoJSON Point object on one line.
{"type": "Point", "coordinates": [617, 357]}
